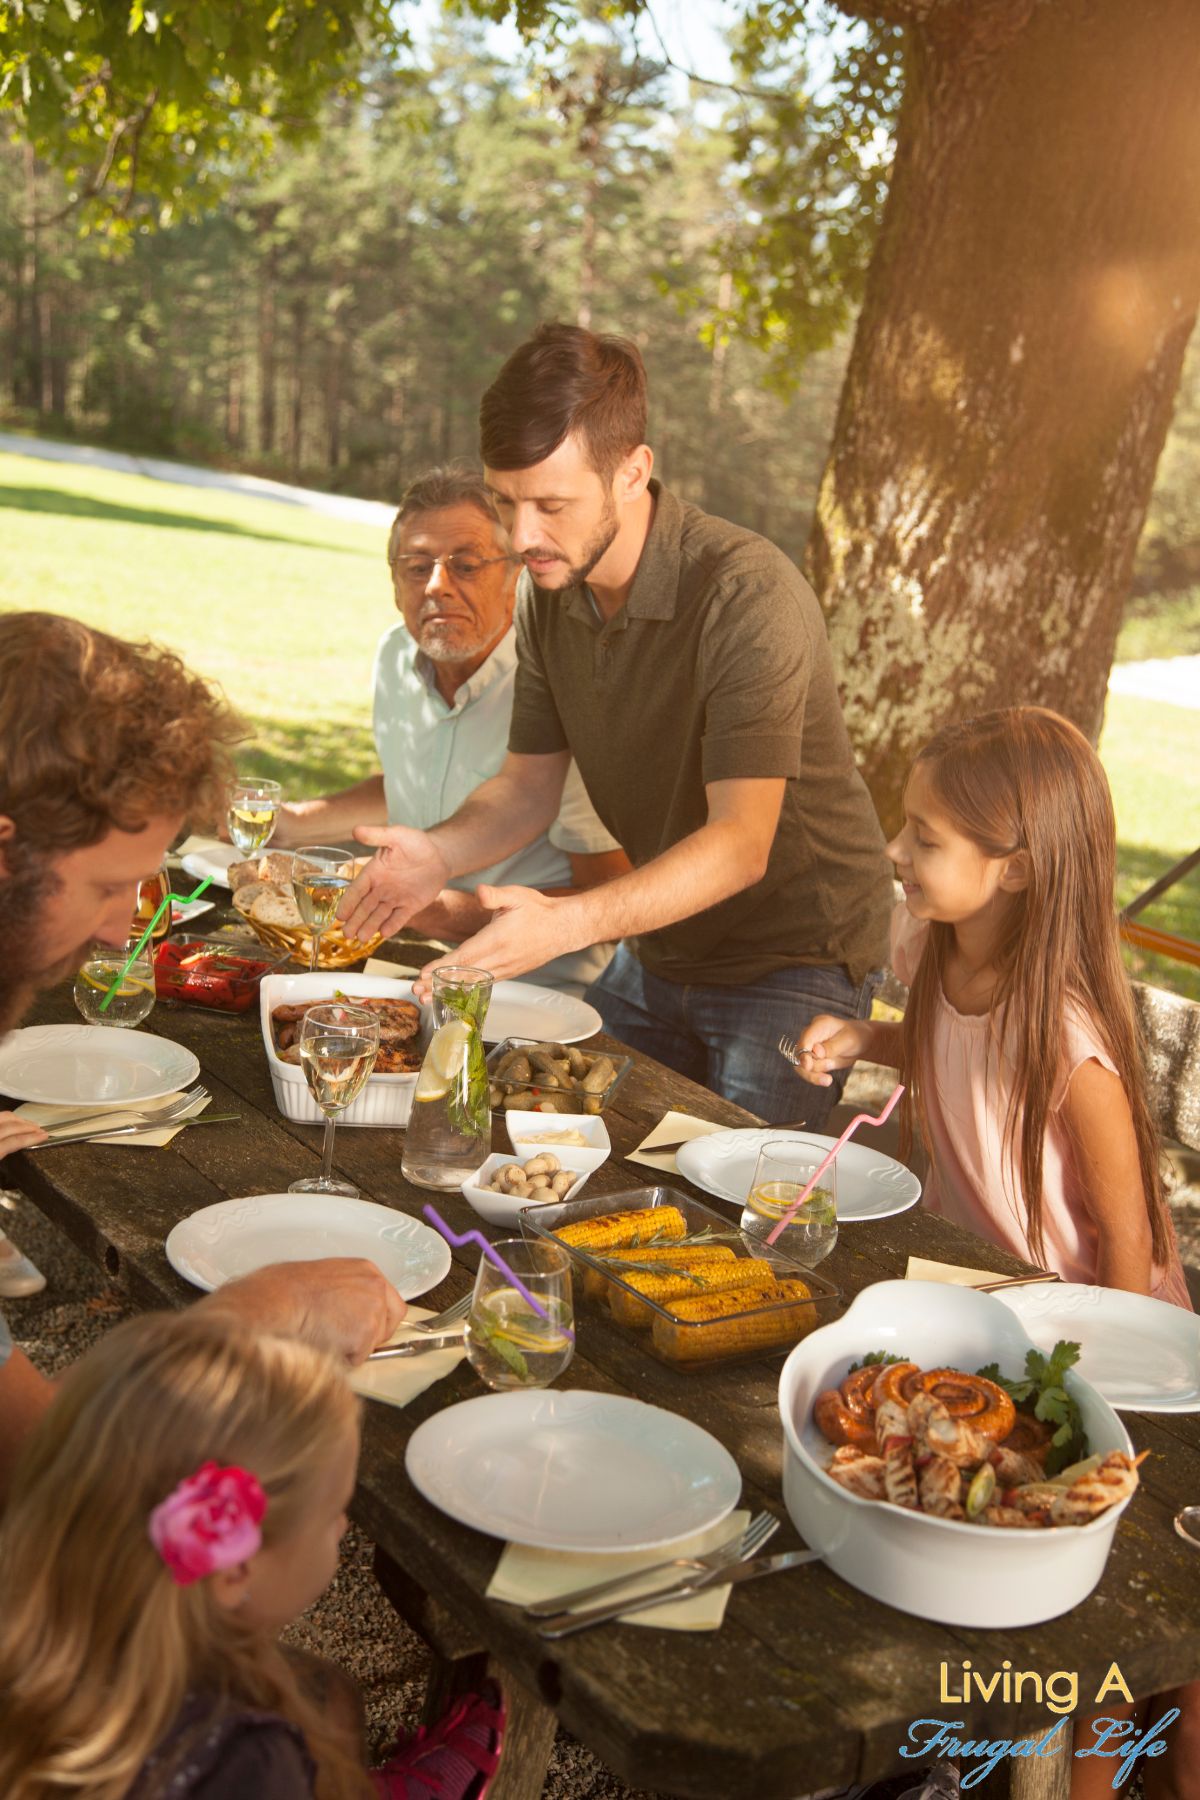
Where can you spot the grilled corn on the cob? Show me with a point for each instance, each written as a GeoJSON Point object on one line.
{"type": "Point", "coordinates": [596, 1282]}
{"type": "Point", "coordinates": [700, 1277]}
{"type": "Point", "coordinates": [712, 1326]}
{"type": "Point", "coordinates": [610, 1231]}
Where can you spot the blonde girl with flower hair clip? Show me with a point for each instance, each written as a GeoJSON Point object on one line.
{"type": "Point", "coordinates": [181, 1502]}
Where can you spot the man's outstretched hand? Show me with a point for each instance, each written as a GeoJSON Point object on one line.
{"type": "Point", "coordinates": [406, 874]}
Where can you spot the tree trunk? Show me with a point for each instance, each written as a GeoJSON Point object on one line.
{"type": "Point", "coordinates": [266, 342]}
{"type": "Point", "coordinates": [1012, 376]}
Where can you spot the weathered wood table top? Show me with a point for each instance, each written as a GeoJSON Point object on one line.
{"type": "Point", "coordinates": [808, 1683]}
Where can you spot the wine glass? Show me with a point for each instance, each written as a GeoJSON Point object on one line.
{"type": "Point", "coordinates": [253, 807]}
{"type": "Point", "coordinates": [150, 896]}
{"type": "Point", "coordinates": [509, 1345]}
{"type": "Point", "coordinates": [133, 1000]}
{"type": "Point", "coordinates": [338, 1046]}
{"type": "Point", "coordinates": [320, 876]}
{"type": "Point", "coordinates": [785, 1168]}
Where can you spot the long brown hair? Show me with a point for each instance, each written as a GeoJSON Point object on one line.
{"type": "Point", "coordinates": [98, 1646]}
{"type": "Point", "coordinates": [1024, 779]}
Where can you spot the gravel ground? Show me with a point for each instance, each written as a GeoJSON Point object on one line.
{"type": "Point", "coordinates": [352, 1623]}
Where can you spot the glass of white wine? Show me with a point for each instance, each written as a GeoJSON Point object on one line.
{"type": "Point", "coordinates": [253, 807]}
{"type": "Point", "coordinates": [785, 1168]}
{"type": "Point", "coordinates": [338, 1046]}
{"type": "Point", "coordinates": [320, 876]}
{"type": "Point", "coordinates": [133, 1000]}
{"type": "Point", "coordinates": [509, 1345]}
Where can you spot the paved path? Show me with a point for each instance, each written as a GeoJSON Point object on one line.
{"type": "Point", "coordinates": [340, 506]}
{"type": "Point", "coordinates": [1174, 680]}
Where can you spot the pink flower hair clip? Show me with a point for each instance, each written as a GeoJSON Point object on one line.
{"type": "Point", "coordinates": [210, 1521]}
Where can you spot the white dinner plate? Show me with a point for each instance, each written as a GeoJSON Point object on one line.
{"type": "Point", "coordinates": [519, 1009]}
{"type": "Point", "coordinates": [573, 1471]}
{"type": "Point", "coordinates": [1143, 1355]}
{"type": "Point", "coordinates": [869, 1184]}
{"type": "Point", "coordinates": [234, 1237]}
{"type": "Point", "coordinates": [100, 1065]}
{"type": "Point", "coordinates": [213, 860]}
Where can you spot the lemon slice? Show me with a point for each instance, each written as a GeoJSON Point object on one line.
{"type": "Point", "coordinates": [444, 1060]}
{"type": "Point", "coordinates": [104, 982]}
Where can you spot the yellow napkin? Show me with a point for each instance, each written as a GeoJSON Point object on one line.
{"type": "Point", "coordinates": [399, 1379]}
{"type": "Point", "coordinates": [51, 1115]}
{"type": "Point", "coordinates": [670, 1130]}
{"type": "Point", "coordinates": [523, 1575]}
{"type": "Point", "coordinates": [920, 1268]}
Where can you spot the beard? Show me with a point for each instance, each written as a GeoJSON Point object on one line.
{"type": "Point", "coordinates": [24, 893]}
{"type": "Point", "coordinates": [593, 550]}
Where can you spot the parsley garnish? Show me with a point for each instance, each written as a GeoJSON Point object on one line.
{"type": "Point", "coordinates": [875, 1359]}
{"type": "Point", "coordinates": [1044, 1384]}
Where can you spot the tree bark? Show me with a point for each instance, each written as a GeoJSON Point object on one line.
{"type": "Point", "coordinates": [1012, 377]}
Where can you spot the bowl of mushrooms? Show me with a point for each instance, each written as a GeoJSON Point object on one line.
{"type": "Point", "coordinates": [504, 1186]}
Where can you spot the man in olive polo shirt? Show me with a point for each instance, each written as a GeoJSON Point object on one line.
{"type": "Point", "coordinates": [683, 662]}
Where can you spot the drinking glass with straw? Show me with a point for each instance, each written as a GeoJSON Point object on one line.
{"type": "Point", "coordinates": [119, 979]}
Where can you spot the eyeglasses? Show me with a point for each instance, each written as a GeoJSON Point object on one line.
{"type": "Point", "coordinates": [415, 571]}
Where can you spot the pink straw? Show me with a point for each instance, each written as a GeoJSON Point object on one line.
{"type": "Point", "coordinates": [458, 1239]}
{"type": "Point", "coordinates": [852, 1127]}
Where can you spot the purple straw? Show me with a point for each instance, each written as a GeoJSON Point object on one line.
{"type": "Point", "coordinates": [458, 1239]}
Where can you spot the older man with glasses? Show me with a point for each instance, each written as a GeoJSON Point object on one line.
{"type": "Point", "coordinates": [443, 686]}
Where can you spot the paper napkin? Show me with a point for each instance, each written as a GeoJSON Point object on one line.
{"type": "Point", "coordinates": [920, 1268]}
{"type": "Point", "coordinates": [50, 1116]}
{"type": "Point", "coordinates": [379, 965]}
{"type": "Point", "coordinates": [399, 1379]}
{"type": "Point", "coordinates": [670, 1130]}
{"type": "Point", "coordinates": [524, 1575]}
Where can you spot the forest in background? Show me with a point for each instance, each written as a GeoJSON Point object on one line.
{"type": "Point", "coordinates": [335, 321]}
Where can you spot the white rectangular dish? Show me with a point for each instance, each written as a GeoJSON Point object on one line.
{"type": "Point", "coordinates": [954, 1573]}
{"type": "Point", "coordinates": [386, 1100]}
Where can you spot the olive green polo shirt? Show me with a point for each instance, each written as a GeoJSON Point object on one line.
{"type": "Point", "coordinates": [717, 668]}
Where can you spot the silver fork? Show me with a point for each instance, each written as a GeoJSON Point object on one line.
{"type": "Point", "coordinates": [159, 1116]}
{"type": "Point", "coordinates": [451, 1316]}
{"type": "Point", "coordinates": [188, 1098]}
{"type": "Point", "coordinates": [428, 1327]}
{"type": "Point", "coordinates": [762, 1526]}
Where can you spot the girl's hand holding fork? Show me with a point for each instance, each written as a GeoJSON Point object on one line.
{"type": "Point", "coordinates": [828, 1044]}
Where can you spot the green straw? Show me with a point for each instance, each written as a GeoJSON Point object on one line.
{"type": "Point", "coordinates": [184, 900]}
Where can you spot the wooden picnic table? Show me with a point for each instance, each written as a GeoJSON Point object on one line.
{"type": "Point", "coordinates": [809, 1683]}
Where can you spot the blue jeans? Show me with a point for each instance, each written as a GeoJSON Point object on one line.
{"type": "Point", "coordinates": [727, 1038]}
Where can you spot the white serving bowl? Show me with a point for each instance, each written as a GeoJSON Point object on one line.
{"type": "Point", "coordinates": [506, 1209]}
{"type": "Point", "coordinates": [523, 1127]}
{"type": "Point", "coordinates": [386, 1099]}
{"type": "Point", "coordinates": [940, 1569]}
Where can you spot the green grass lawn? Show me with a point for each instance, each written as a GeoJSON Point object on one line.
{"type": "Point", "coordinates": [284, 607]}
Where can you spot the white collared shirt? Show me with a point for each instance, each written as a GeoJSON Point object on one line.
{"type": "Point", "coordinates": [434, 756]}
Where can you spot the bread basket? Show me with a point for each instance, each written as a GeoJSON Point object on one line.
{"type": "Point", "coordinates": [337, 950]}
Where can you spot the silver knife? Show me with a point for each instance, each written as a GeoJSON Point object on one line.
{"type": "Point", "coordinates": [441, 1340]}
{"type": "Point", "coordinates": [92, 1136]}
{"type": "Point", "coordinates": [564, 1624]}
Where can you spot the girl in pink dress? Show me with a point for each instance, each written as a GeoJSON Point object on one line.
{"type": "Point", "coordinates": [1019, 1048]}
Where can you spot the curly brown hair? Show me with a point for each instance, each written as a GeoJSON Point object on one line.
{"type": "Point", "coordinates": [98, 734]}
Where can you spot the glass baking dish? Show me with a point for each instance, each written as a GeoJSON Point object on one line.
{"type": "Point", "coordinates": [760, 1326]}
{"type": "Point", "coordinates": [529, 1094]}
